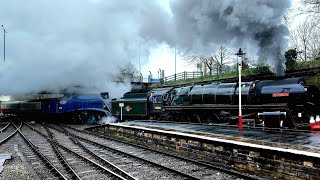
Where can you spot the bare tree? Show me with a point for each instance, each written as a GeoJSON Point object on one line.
{"type": "Point", "coordinates": [195, 59]}
{"type": "Point", "coordinates": [305, 38]}
{"type": "Point", "coordinates": [311, 7]}
{"type": "Point", "coordinates": [221, 58]}
{"type": "Point", "coordinates": [217, 62]}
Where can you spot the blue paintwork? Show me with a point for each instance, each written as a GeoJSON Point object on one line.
{"type": "Point", "coordinates": [75, 102]}
{"type": "Point", "coordinates": [287, 88]}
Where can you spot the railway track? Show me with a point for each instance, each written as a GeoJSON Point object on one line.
{"type": "Point", "coordinates": [7, 132]}
{"type": "Point", "coordinates": [60, 152]}
{"type": "Point", "coordinates": [79, 165]}
{"type": "Point", "coordinates": [132, 165]}
{"type": "Point", "coordinates": [131, 160]}
{"type": "Point", "coordinates": [195, 168]}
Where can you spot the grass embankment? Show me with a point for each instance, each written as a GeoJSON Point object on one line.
{"type": "Point", "coordinates": [215, 77]}
{"type": "Point", "coordinates": [314, 80]}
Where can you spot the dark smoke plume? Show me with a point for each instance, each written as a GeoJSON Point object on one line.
{"type": "Point", "coordinates": [255, 25]}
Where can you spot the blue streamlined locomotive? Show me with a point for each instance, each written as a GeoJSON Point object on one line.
{"type": "Point", "coordinates": [81, 108]}
{"type": "Point", "coordinates": [283, 102]}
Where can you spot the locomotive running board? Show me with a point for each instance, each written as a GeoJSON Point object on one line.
{"type": "Point", "coordinates": [227, 107]}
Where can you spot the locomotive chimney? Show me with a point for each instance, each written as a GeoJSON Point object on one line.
{"type": "Point", "coordinates": [279, 66]}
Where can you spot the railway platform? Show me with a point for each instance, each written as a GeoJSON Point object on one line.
{"type": "Point", "coordinates": [303, 140]}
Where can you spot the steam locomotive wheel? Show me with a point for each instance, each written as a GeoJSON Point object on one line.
{"type": "Point", "coordinates": [210, 118]}
{"type": "Point", "coordinates": [197, 117]}
{"type": "Point", "coordinates": [88, 117]}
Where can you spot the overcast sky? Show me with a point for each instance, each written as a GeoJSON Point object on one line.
{"type": "Point", "coordinates": [52, 45]}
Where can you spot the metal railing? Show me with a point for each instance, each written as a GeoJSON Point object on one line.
{"type": "Point", "coordinates": [183, 76]}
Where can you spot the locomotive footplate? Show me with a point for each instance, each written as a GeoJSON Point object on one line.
{"type": "Point", "coordinates": [265, 114]}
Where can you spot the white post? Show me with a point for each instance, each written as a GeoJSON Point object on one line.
{"type": "Point", "coordinates": [121, 114]}
{"type": "Point", "coordinates": [240, 54]}
{"type": "Point", "coordinates": [240, 109]}
{"type": "Point", "coordinates": [121, 106]}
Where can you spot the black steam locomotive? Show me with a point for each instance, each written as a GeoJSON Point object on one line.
{"type": "Point", "coordinates": [283, 102]}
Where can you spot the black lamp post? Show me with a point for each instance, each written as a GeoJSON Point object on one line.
{"type": "Point", "coordinates": [240, 53]}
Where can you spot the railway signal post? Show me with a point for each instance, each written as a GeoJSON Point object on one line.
{"type": "Point", "coordinates": [240, 53]}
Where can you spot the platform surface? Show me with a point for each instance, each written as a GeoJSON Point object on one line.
{"type": "Point", "coordinates": [308, 140]}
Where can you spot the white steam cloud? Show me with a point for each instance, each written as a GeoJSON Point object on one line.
{"type": "Point", "coordinates": [54, 45]}
{"type": "Point", "coordinates": [107, 120]}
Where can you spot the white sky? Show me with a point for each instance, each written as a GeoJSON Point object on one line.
{"type": "Point", "coordinates": [163, 57]}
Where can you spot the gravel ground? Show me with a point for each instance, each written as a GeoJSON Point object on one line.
{"type": "Point", "coordinates": [14, 168]}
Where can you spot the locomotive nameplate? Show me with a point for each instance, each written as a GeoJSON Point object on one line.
{"type": "Point", "coordinates": [280, 94]}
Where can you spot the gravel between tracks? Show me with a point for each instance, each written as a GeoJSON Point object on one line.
{"type": "Point", "coordinates": [14, 168]}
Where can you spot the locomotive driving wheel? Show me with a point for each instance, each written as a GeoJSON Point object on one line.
{"type": "Point", "coordinates": [210, 117]}
{"type": "Point", "coordinates": [197, 117]}
{"type": "Point", "coordinates": [88, 117]}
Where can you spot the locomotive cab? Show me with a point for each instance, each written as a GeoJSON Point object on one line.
{"type": "Point", "coordinates": [157, 100]}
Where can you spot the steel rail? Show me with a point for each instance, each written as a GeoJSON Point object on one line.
{"type": "Point", "coordinates": [60, 156]}
{"type": "Point", "coordinates": [86, 159]}
{"type": "Point", "coordinates": [46, 161]}
{"type": "Point", "coordinates": [121, 172]}
{"type": "Point", "coordinates": [10, 136]}
{"type": "Point", "coordinates": [130, 155]}
{"type": "Point", "coordinates": [92, 162]}
{"type": "Point", "coordinates": [5, 127]}
{"type": "Point", "coordinates": [203, 163]}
